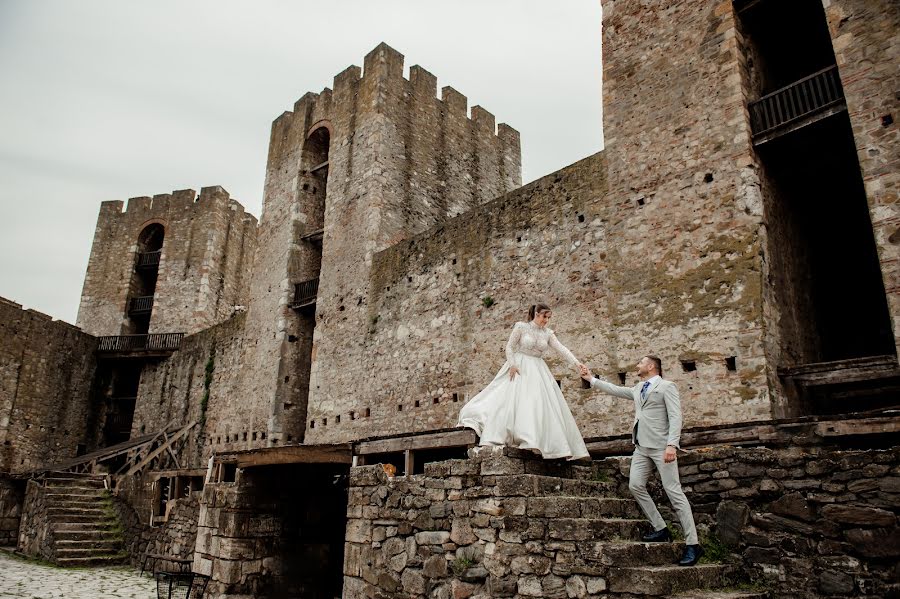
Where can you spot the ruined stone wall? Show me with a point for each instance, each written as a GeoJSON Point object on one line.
{"type": "Point", "coordinates": [806, 522]}
{"type": "Point", "coordinates": [400, 161]}
{"type": "Point", "coordinates": [35, 530]}
{"type": "Point", "coordinates": [176, 537]}
{"type": "Point", "coordinates": [12, 496]}
{"type": "Point", "coordinates": [197, 384]}
{"type": "Point", "coordinates": [207, 252]}
{"type": "Point", "coordinates": [867, 48]}
{"type": "Point", "coordinates": [46, 374]}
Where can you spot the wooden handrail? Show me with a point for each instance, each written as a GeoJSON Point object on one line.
{"type": "Point", "coordinates": [807, 96]}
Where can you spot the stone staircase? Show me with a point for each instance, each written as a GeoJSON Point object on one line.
{"type": "Point", "coordinates": [83, 527]}
{"type": "Point", "coordinates": [523, 527]}
{"type": "Point", "coordinates": [606, 529]}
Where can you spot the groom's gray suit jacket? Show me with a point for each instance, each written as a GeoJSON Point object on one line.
{"type": "Point", "coordinates": [657, 417]}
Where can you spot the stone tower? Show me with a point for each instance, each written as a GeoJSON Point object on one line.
{"type": "Point", "coordinates": [171, 263]}
{"type": "Point", "coordinates": [353, 170]}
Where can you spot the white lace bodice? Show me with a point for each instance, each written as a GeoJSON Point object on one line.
{"type": "Point", "coordinates": [529, 339]}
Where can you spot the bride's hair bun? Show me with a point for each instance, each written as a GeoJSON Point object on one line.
{"type": "Point", "coordinates": [535, 309]}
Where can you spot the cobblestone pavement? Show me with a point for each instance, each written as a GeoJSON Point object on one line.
{"type": "Point", "coordinates": [25, 579]}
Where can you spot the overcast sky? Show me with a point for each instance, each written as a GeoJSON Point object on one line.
{"type": "Point", "coordinates": [110, 99]}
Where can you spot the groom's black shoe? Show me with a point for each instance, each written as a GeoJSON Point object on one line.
{"type": "Point", "coordinates": [658, 536]}
{"type": "Point", "coordinates": [691, 555]}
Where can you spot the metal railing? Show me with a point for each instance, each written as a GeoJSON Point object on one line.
{"type": "Point", "coordinates": [305, 293]}
{"type": "Point", "coordinates": [137, 343]}
{"type": "Point", "coordinates": [800, 99]}
{"type": "Point", "coordinates": [148, 259]}
{"type": "Point", "coordinates": [140, 305]}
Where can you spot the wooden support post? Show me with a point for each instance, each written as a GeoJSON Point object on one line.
{"type": "Point", "coordinates": [408, 462]}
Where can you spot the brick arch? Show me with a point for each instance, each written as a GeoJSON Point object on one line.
{"type": "Point", "coordinates": [318, 125]}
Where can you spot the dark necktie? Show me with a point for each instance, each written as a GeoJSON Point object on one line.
{"type": "Point", "coordinates": [644, 390]}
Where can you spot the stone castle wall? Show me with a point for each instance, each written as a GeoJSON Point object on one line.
{"type": "Point", "coordinates": [46, 374]}
{"type": "Point", "coordinates": [207, 252]}
{"type": "Point", "coordinates": [651, 247]}
{"type": "Point", "coordinates": [867, 48]}
{"type": "Point", "coordinates": [197, 384]}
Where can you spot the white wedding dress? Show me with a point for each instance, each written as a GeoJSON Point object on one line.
{"type": "Point", "coordinates": [528, 412]}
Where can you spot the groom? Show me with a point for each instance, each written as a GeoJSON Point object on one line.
{"type": "Point", "coordinates": [655, 433]}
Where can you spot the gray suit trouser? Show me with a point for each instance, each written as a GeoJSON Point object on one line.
{"type": "Point", "coordinates": [642, 463]}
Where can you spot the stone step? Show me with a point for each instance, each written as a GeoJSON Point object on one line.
{"type": "Point", "coordinates": [582, 507]}
{"type": "Point", "coordinates": [81, 510]}
{"type": "Point", "coordinates": [665, 580]}
{"type": "Point", "coordinates": [101, 520]}
{"type": "Point", "coordinates": [71, 552]}
{"type": "Point", "coordinates": [75, 490]}
{"type": "Point", "coordinates": [714, 594]}
{"type": "Point", "coordinates": [95, 560]}
{"type": "Point", "coordinates": [58, 483]}
{"type": "Point", "coordinates": [107, 545]}
{"type": "Point", "coordinates": [68, 501]}
{"type": "Point", "coordinates": [536, 485]}
{"type": "Point", "coordinates": [99, 525]}
{"type": "Point", "coordinates": [77, 495]}
{"type": "Point", "coordinates": [87, 535]}
{"type": "Point", "coordinates": [621, 553]}
{"type": "Point", "coordinates": [603, 529]}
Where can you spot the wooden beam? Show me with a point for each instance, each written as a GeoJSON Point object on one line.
{"type": "Point", "coordinates": [153, 454]}
{"type": "Point", "coordinates": [289, 454]}
{"type": "Point", "coordinates": [457, 438]}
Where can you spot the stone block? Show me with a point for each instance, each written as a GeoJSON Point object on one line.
{"type": "Point", "coordinates": [436, 537]}
{"type": "Point", "coordinates": [859, 515]}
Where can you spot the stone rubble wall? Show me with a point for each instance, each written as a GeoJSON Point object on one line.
{"type": "Point", "coordinates": [35, 530]}
{"type": "Point", "coordinates": [806, 522]}
{"type": "Point", "coordinates": [176, 537]}
{"type": "Point", "coordinates": [46, 372]}
{"type": "Point", "coordinates": [207, 252]}
{"type": "Point", "coordinates": [12, 496]}
{"type": "Point", "coordinates": [499, 524]}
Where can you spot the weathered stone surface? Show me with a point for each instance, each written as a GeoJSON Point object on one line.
{"type": "Point", "coordinates": [731, 518]}
{"type": "Point", "coordinates": [436, 537]}
{"type": "Point", "coordinates": [435, 567]}
{"type": "Point", "coordinates": [413, 581]}
{"type": "Point", "coordinates": [858, 514]}
{"type": "Point", "coordinates": [794, 505]}
{"type": "Point", "coordinates": [877, 542]}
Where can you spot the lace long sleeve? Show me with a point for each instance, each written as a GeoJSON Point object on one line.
{"type": "Point", "coordinates": [513, 343]}
{"type": "Point", "coordinates": [562, 350]}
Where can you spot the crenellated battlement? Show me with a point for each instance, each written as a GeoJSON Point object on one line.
{"type": "Point", "coordinates": [383, 69]}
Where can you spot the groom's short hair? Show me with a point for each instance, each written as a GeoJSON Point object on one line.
{"type": "Point", "coordinates": [658, 363]}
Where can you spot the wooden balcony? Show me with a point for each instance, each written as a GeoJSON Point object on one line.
{"type": "Point", "coordinates": [151, 345]}
{"type": "Point", "coordinates": [148, 260]}
{"type": "Point", "coordinates": [142, 305]}
{"type": "Point", "coordinates": [797, 105]}
{"type": "Point", "coordinates": [305, 294]}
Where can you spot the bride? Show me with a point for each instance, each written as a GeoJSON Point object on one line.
{"type": "Point", "coordinates": [523, 406]}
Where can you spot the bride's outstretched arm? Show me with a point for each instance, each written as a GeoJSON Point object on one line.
{"type": "Point", "coordinates": [563, 351]}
